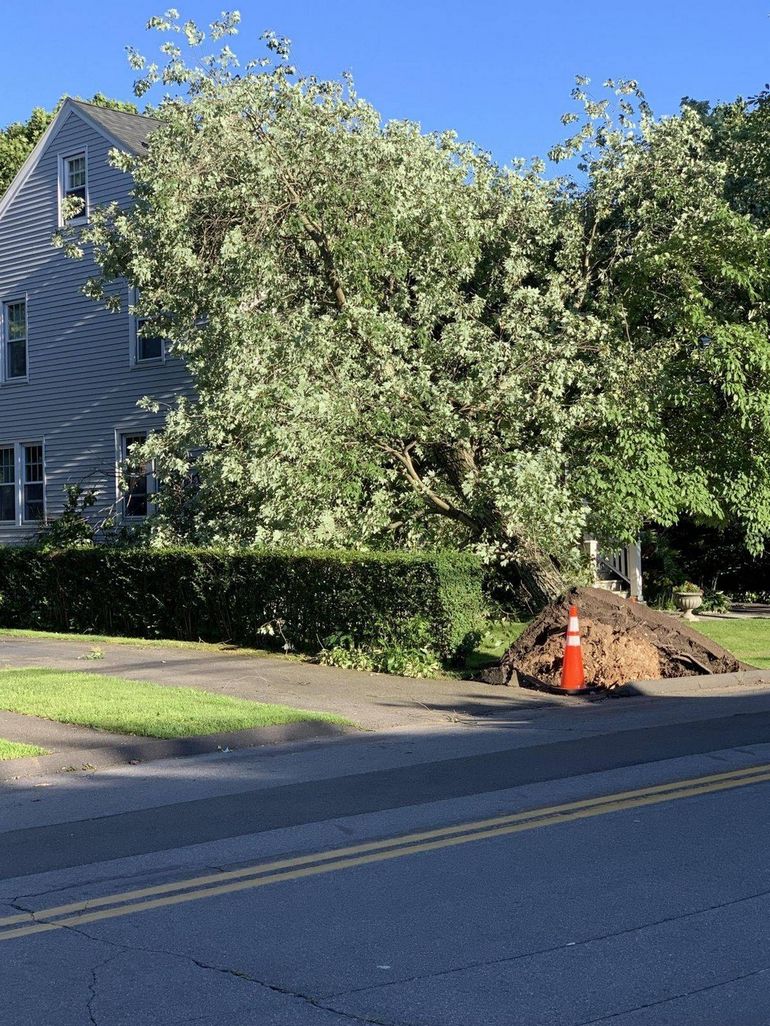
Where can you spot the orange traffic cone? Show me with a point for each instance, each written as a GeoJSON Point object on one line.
{"type": "Point", "coordinates": [573, 676]}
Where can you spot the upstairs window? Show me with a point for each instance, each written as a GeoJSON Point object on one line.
{"type": "Point", "coordinates": [15, 338]}
{"type": "Point", "coordinates": [149, 345]}
{"type": "Point", "coordinates": [74, 184]}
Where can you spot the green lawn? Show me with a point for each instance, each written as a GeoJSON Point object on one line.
{"type": "Point", "coordinates": [747, 639]}
{"type": "Point", "coordinates": [135, 707]}
{"type": "Point", "coordinates": [499, 637]}
{"type": "Point", "coordinates": [105, 639]}
{"type": "Point", "coordinates": [14, 750]}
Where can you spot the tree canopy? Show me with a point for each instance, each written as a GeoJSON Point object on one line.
{"type": "Point", "coordinates": [395, 341]}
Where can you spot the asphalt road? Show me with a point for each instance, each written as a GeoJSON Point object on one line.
{"type": "Point", "coordinates": [618, 876]}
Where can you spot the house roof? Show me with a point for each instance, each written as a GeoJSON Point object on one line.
{"type": "Point", "coordinates": [130, 131]}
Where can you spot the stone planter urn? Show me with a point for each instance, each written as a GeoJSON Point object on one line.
{"type": "Point", "coordinates": [687, 602]}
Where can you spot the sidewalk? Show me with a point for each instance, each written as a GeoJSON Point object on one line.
{"type": "Point", "coordinates": [373, 702]}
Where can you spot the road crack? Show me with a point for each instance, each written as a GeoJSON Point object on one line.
{"type": "Point", "coordinates": [675, 997]}
{"type": "Point", "coordinates": [307, 998]}
{"type": "Point", "coordinates": [554, 949]}
{"type": "Point", "coordinates": [238, 974]}
{"type": "Point", "coordinates": [92, 983]}
{"type": "Point", "coordinates": [92, 991]}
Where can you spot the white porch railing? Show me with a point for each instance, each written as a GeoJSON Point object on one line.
{"type": "Point", "coordinates": [625, 563]}
{"type": "Point", "coordinates": [618, 563]}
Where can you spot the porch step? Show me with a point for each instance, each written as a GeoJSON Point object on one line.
{"type": "Point", "coordinates": [614, 585]}
{"type": "Point", "coordinates": [604, 572]}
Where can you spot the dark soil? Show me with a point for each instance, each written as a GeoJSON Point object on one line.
{"type": "Point", "coordinates": [621, 641]}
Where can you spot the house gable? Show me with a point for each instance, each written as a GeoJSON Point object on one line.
{"type": "Point", "coordinates": [122, 131]}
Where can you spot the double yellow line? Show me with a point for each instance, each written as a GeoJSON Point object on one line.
{"type": "Point", "coordinates": [79, 913]}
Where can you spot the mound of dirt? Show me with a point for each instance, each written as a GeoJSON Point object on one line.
{"type": "Point", "coordinates": [621, 641]}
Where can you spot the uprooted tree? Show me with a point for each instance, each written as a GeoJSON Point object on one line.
{"type": "Point", "coordinates": [395, 341]}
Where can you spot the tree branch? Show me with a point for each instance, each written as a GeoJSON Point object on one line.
{"type": "Point", "coordinates": [312, 227]}
{"type": "Point", "coordinates": [435, 502]}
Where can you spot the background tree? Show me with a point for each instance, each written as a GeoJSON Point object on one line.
{"type": "Point", "coordinates": [710, 549]}
{"type": "Point", "coordinates": [395, 341]}
{"type": "Point", "coordinates": [678, 274]}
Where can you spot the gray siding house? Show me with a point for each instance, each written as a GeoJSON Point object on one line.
{"type": "Point", "coordinates": [71, 372]}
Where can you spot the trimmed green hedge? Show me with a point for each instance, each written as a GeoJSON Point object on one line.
{"type": "Point", "coordinates": [210, 595]}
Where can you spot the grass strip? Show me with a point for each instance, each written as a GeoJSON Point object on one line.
{"type": "Point", "coordinates": [16, 750]}
{"type": "Point", "coordinates": [136, 707]}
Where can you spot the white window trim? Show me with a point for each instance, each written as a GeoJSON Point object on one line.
{"type": "Point", "coordinates": [4, 377]}
{"type": "Point", "coordinates": [19, 482]}
{"type": "Point", "coordinates": [133, 338]}
{"type": "Point", "coordinates": [23, 482]}
{"type": "Point", "coordinates": [121, 433]}
{"type": "Point", "coordinates": [63, 158]}
{"type": "Point", "coordinates": [15, 521]}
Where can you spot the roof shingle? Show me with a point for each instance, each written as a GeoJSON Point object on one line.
{"type": "Point", "coordinates": [130, 130]}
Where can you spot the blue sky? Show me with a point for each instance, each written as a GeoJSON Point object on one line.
{"type": "Point", "coordinates": [497, 71]}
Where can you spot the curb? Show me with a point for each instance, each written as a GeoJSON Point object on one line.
{"type": "Point", "coordinates": [589, 692]}
{"type": "Point", "coordinates": [140, 750]}
{"type": "Point", "coordinates": [743, 680]}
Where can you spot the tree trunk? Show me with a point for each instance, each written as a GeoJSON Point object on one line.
{"type": "Point", "coordinates": [534, 575]}
{"type": "Point", "coordinates": [541, 580]}
{"type": "Point", "coordinates": [533, 572]}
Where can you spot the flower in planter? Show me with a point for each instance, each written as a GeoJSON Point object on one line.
{"type": "Point", "coordinates": [688, 598]}
{"type": "Point", "coordinates": [689, 588]}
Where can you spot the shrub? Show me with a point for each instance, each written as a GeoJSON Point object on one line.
{"type": "Point", "coordinates": [256, 597]}
{"type": "Point", "coordinates": [409, 655]}
{"type": "Point", "coordinates": [72, 528]}
{"type": "Point", "coordinates": [715, 601]}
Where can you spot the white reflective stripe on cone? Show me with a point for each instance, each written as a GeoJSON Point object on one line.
{"type": "Point", "coordinates": [573, 626]}
{"type": "Point", "coordinates": [573, 639]}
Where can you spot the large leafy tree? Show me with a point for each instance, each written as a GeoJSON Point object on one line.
{"type": "Point", "coordinates": [18, 139]}
{"type": "Point", "coordinates": [395, 341]}
{"type": "Point", "coordinates": [678, 273]}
